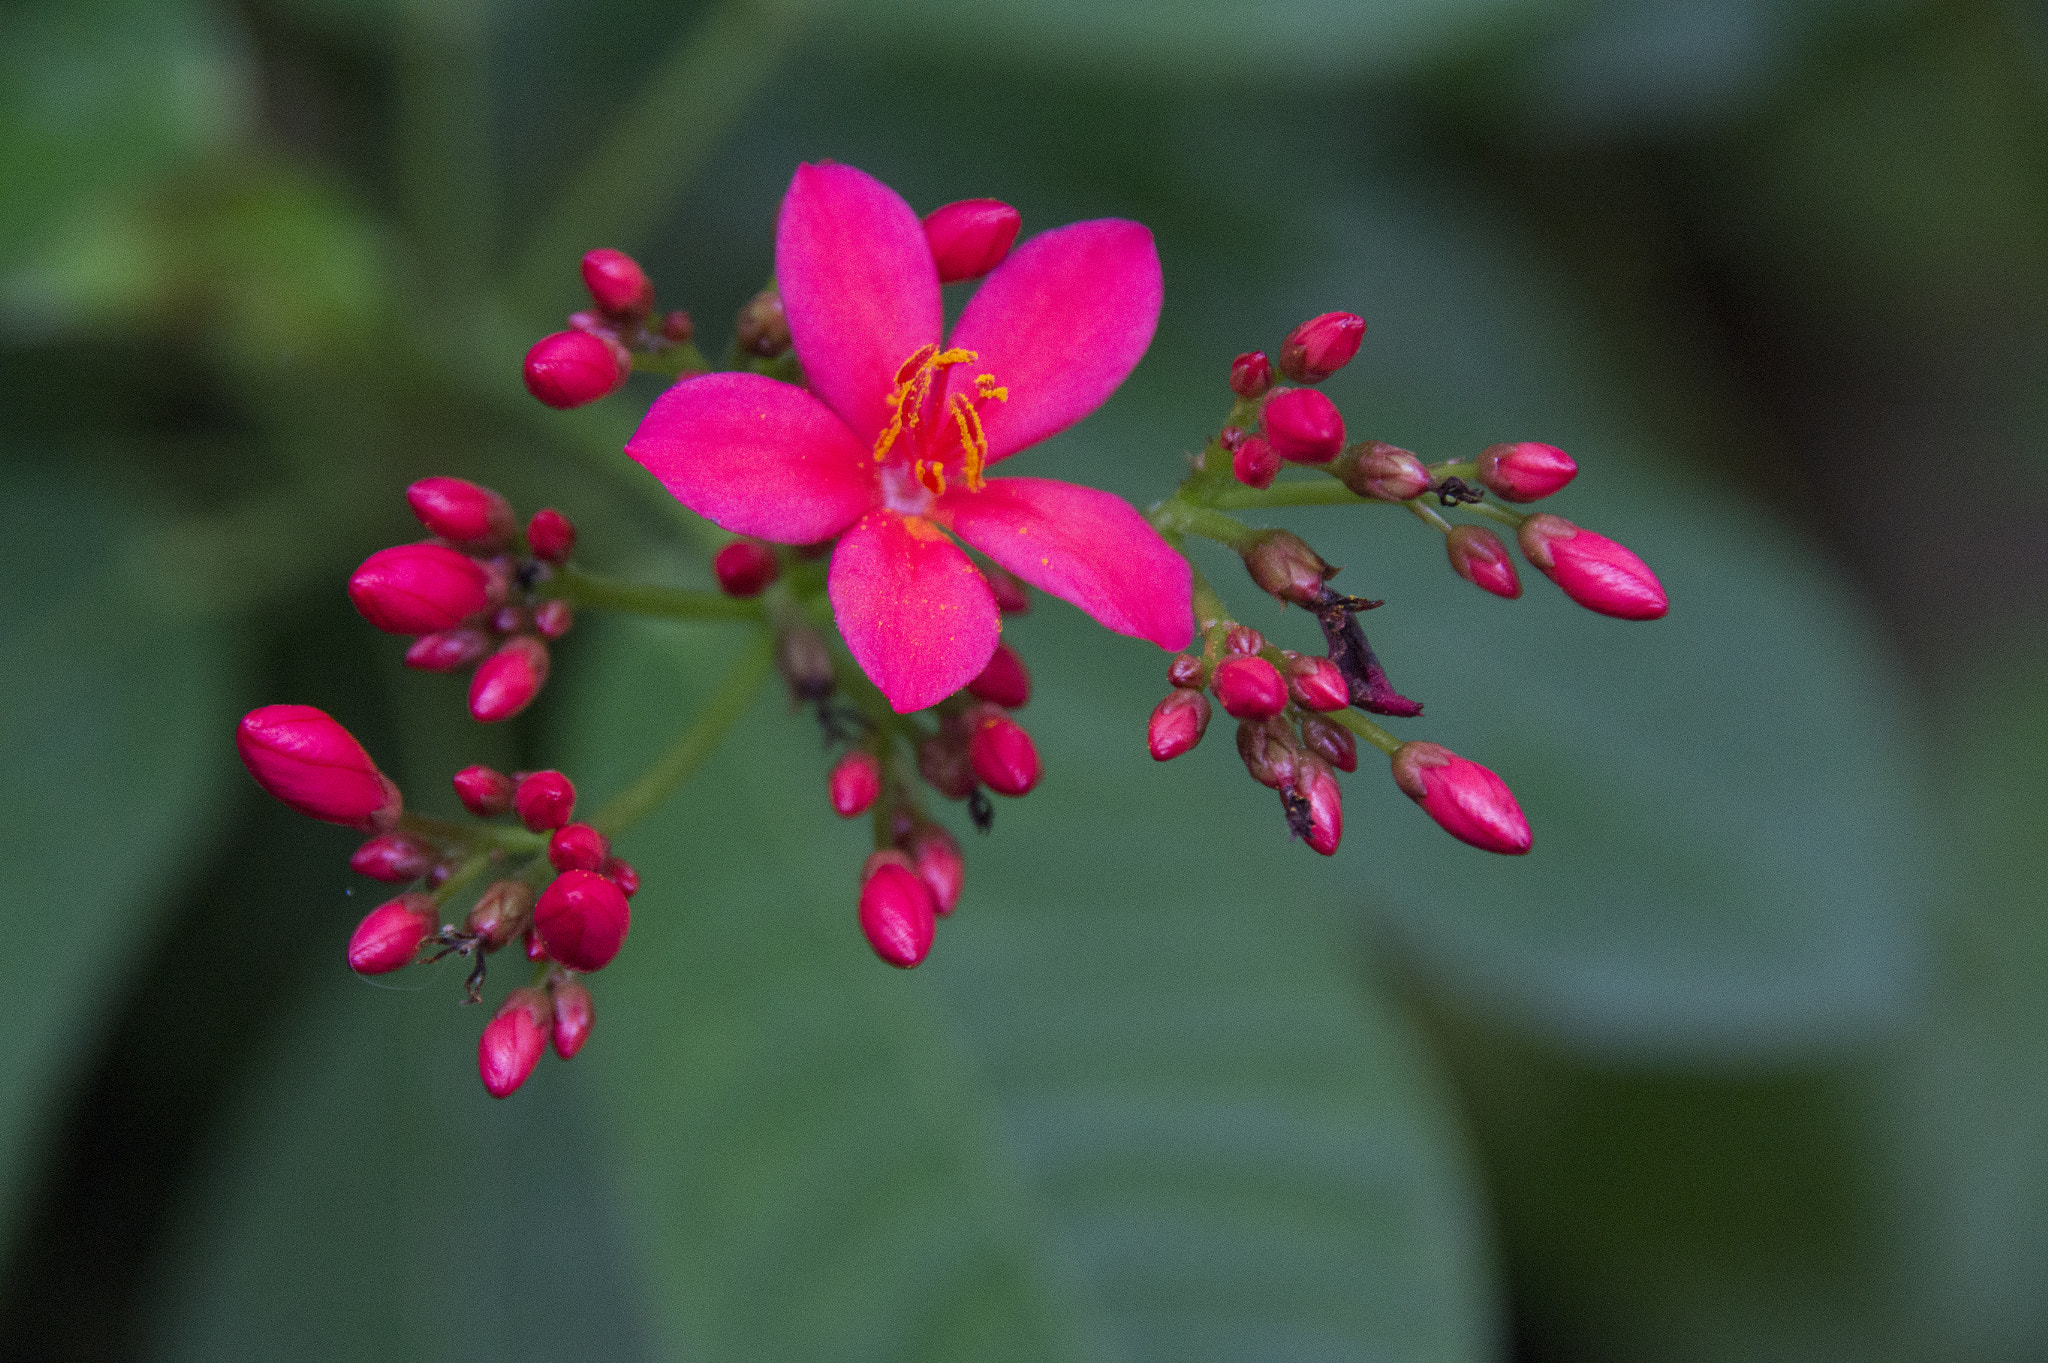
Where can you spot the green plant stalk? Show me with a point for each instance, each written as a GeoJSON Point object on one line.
{"type": "Point", "coordinates": [1365, 729]}
{"type": "Point", "coordinates": [730, 701]}
{"type": "Point", "coordinates": [581, 588]}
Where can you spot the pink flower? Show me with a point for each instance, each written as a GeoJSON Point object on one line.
{"type": "Point", "coordinates": [889, 448]}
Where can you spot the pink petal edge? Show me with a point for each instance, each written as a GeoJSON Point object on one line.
{"type": "Point", "coordinates": [915, 612]}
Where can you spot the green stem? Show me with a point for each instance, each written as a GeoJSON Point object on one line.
{"type": "Point", "coordinates": [464, 834]}
{"type": "Point", "coordinates": [694, 744]}
{"type": "Point", "coordinates": [1177, 516]}
{"type": "Point", "coordinates": [1209, 608]}
{"type": "Point", "coordinates": [1365, 729]}
{"type": "Point", "coordinates": [1512, 519]}
{"type": "Point", "coordinates": [472, 866]}
{"type": "Point", "coordinates": [1303, 492]}
{"type": "Point", "coordinates": [1428, 514]}
{"type": "Point", "coordinates": [581, 588]}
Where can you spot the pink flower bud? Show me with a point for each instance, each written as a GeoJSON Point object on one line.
{"type": "Point", "coordinates": [855, 782]}
{"type": "Point", "coordinates": [1243, 639]}
{"type": "Point", "coordinates": [1330, 741]}
{"type": "Point", "coordinates": [1005, 681]}
{"type": "Point", "coordinates": [1231, 437]}
{"type": "Point", "coordinates": [1317, 683]}
{"type": "Point", "coordinates": [971, 237]}
{"type": "Point", "coordinates": [943, 763]}
{"type": "Point", "coordinates": [553, 618]}
{"type": "Point", "coordinates": [581, 920]}
{"type": "Point", "coordinates": [1251, 374]}
{"type": "Point", "coordinates": [1321, 346]}
{"type": "Point", "coordinates": [898, 915]}
{"type": "Point", "coordinates": [1269, 751]}
{"type": "Point", "coordinates": [1478, 556]}
{"type": "Point", "coordinates": [417, 588]}
{"type": "Point", "coordinates": [502, 912]}
{"type": "Point", "coordinates": [1525, 471]}
{"type": "Point", "coordinates": [1012, 596]}
{"type": "Point", "coordinates": [390, 934]}
{"type": "Point", "coordinates": [745, 568]}
{"type": "Point", "coordinates": [1305, 426]}
{"type": "Point", "coordinates": [1186, 672]}
{"type": "Point", "coordinates": [1002, 754]}
{"type": "Point", "coordinates": [1383, 472]}
{"type": "Point", "coordinates": [544, 800]}
{"type": "Point", "coordinates": [507, 681]}
{"type": "Point", "coordinates": [1315, 806]}
{"type": "Point", "coordinates": [617, 284]}
{"type": "Point", "coordinates": [1282, 564]}
{"type": "Point", "coordinates": [302, 757]}
{"type": "Point", "coordinates": [622, 874]}
{"type": "Point", "coordinates": [1178, 723]}
{"type": "Point", "coordinates": [484, 792]}
{"type": "Point", "coordinates": [574, 1010]}
{"type": "Point", "coordinates": [1468, 801]}
{"type": "Point", "coordinates": [577, 847]}
{"type": "Point", "coordinates": [1249, 688]}
{"type": "Point", "coordinates": [1593, 570]}
{"type": "Point", "coordinates": [448, 650]}
{"type": "Point", "coordinates": [462, 513]}
{"type": "Point", "coordinates": [512, 1042]}
{"type": "Point", "coordinates": [550, 536]}
{"type": "Point", "coordinates": [1255, 462]}
{"type": "Point", "coordinates": [936, 858]}
{"type": "Point", "coordinates": [393, 858]}
{"type": "Point", "coordinates": [572, 368]}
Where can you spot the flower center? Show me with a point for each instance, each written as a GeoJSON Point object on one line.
{"type": "Point", "coordinates": [914, 380]}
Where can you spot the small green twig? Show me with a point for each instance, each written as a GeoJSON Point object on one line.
{"type": "Point", "coordinates": [1365, 729]}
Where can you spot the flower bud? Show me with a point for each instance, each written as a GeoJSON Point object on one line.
{"type": "Point", "coordinates": [1478, 556]}
{"type": "Point", "coordinates": [484, 792]}
{"type": "Point", "coordinates": [510, 619]}
{"type": "Point", "coordinates": [572, 368]}
{"type": "Point", "coordinates": [1321, 346]}
{"type": "Point", "coordinates": [805, 663]}
{"type": "Point", "coordinates": [462, 513]}
{"type": "Point", "coordinates": [544, 800]}
{"type": "Point", "coordinates": [763, 328]}
{"type": "Point", "coordinates": [617, 284]}
{"type": "Point", "coordinates": [393, 858]}
{"type": "Point", "coordinates": [745, 568]}
{"type": "Point", "coordinates": [512, 1042]}
{"type": "Point", "coordinates": [581, 920]}
{"type": "Point", "coordinates": [577, 847]}
{"type": "Point", "coordinates": [1269, 751]}
{"type": "Point", "coordinates": [943, 763]}
{"type": "Point", "coordinates": [1315, 806]}
{"type": "Point", "coordinates": [897, 915]}
{"type": "Point", "coordinates": [502, 912]}
{"type": "Point", "coordinates": [417, 588]}
{"type": "Point", "coordinates": [1005, 681]}
{"type": "Point", "coordinates": [550, 536]}
{"type": "Point", "coordinates": [390, 934]}
{"type": "Point", "coordinates": [1002, 754]}
{"type": "Point", "coordinates": [855, 783]}
{"type": "Point", "coordinates": [1255, 462]}
{"type": "Point", "coordinates": [1468, 801]}
{"type": "Point", "coordinates": [1249, 688]}
{"type": "Point", "coordinates": [448, 650]}
{"type": "Point", "coordinates": [1231, 437]}
{"type": "Point", "coordinates": [553, 618]}
{"type": "Point", "coordinates": [1243, 639]}
{"type": "Point", "coordinates": [1177, 724]}
{"type": "Point", "coordinates": [1331, 741]}
{"type": "Point", "coordinates": [677, 328]}
{"type": "Point", "coordinates": [1383, 472]}
{"type": "Point", "coordinates": [499, 575]}
{"type": "Point", "coordinates": [971, 237]}
{"type": "Point", "coordinates": [1012, 596]}
{"type": "Point", "coordinates": [507, 681]}
{"type": "Point", "coordinates": [936, 858]}
{"type": "Point", "coordinates": [1282, 564]}
{"type": "Point", "coordinates": [302, 757]}
{"type": "Point", "coordinates": [1251, 374]}
{"type": "Point", "coordinates": [1186, 672]}
{"type": "Point", "coordinates": [1525, 471]}
{"type": "Point", "coordinates": [1303, 425]}
{"type": "Point", "coordinates": [1316, 683]}
{"type": "Point", "coordinates": [574, 1011]}
{"type": "Point", "coordinates": [1593, 570]}
{"type": "Point", "coordinates": [622, 874]}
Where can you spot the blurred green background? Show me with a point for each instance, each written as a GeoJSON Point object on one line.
{"type": "Point", "coordinates": [1748, 1061]}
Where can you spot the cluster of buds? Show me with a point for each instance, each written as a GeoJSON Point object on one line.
{"type": "Point", "coordinates": [1297, 425]}
{"type": "Point", "coordinates": [556, 889]}
{"type": "Point", "coordinates": [595, 356]}
{"type": "Point", "coordinates": [470, 594]}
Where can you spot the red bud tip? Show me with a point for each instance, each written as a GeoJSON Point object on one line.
{"type": "Point", "coordinates": [1330, 741]}
{"type": "Point", "coordinates": [622, 874]}
{"type": "Point", "coordinates": [1282, 564]}
{"type": "Point", "coordinates": [417, 588]}
{"type": "Point", "coordinates": [574, 1012]}
{"type": "Point", "coordinates": [1003, 755]}
{"type": "Point", "coordinates": [1525, 471]}
{"type": "Point", "coordinates": [1317, 683]}
{"type": "Point", "coordinates": [1255, 462]}
{"type": "Point", "coordinates": [544, 801]}
{"type": "Point", "coordinates": [855, 782]}
{"type": "Point", "coordinates": [483, 792]}
{"type": "Point", "coordinates": [512, 1042]}
{"type": "Point", "coordinates": [898, 914]}
{"type": "Point", "coordinates": [745, 568]}
{"type": "Point", "coordinates": [1316, 809]}
{"type": "Point", "coordinates": [1383, 472]}
{"type": "Point", "coordinates": [1251, 374]}
{"type": "Point", "coordinates": [572, 368]}
{"type": "Point", "coordinates": [581, 920]}
{"type": "Point", "coordinates": [448, 650]}
{"type": "Point", "coordinates": [391, 933]}
{"type": "Point", "coordinates": [1178, 723]}
{"type": "Point", "coordinates": [304, 758]}
{"type": "Point", "coordinates": [1595, 571]}
{"type": "Point", "coordinates": [1305, 426]}
{"type": "Point", "coordinates": [550, 536]}
{"type": "Point", "coordinates": [507, 681]}
{"type": "Point", "coordinates": [462, 513]}
{"type": "Point", "coordinates": [393, 858]}
{"type": "Point", "coordinates": [1012, 596]}
{"type": "Point", "coordinates": [1005, 681]}
{"type": "Point", "coordinates": [577, 847]}
{"type": "Point", "coordinates": [1478, 556]}
{"type": "Point", "coordinates": [1186, 672]}
{"type": "Point", "coordinates": [971, 237]}
{"type": "Point", "coordinates": [1468, 801]}
{"type": "Point", "coordinates": [1243, 639]}
{"type": "Point", "coordinates": [618, 285]}
{"type": "Point", "coordinates": [1249, 688]}
{"type": "Point", "coordinates": [1321, 346]}
{"type": "Point", "coordinates": [936, 858]}
{"type": "Point", "coordinates": [553, 618]}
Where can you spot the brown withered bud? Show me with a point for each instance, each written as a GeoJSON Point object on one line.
{"type": "Point", "coordinates": [1329, 740]}
{"type": "Point", "coordinates": [943, 762]}
{"type": "Point", "coordinates": [804, 662]}
{"type": "Point", "coordinates": [1243, 640]}
{"type": "Point", "coordinates": [1269, 750]}
{"type": "Point", "coordinates": [1186, 672]}
{"type": "Point", "coordinates": [1383, 472]}
{"type": "Point", "coordinates": [763, 327]}
{"type": "Point", "coordinates": [504, 911]}
{"type": "Point", "coordinates": [1283, 565]}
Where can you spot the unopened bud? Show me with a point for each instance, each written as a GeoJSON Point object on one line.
{"type": "Point", "coordinates": [1251, 374]}
{"type": "Point", "coordinates": [390, 935]}
{"type": "Point", "coordinates": [512, 1042]}
{"type": "Point", "coordinates": [462, 513]}
{"type": "Point", "coordinates": [618, 285]}
{"type": "Point", "coordinates": [502, 912]}
{"type": "Point", "coordinates": [1002, 754]}
{"type": "Point", "coordinates": [1383, 472]}
{"type": "Point", "coordinates": [581, 920]}
{"type": "Point", "coordinates": [1243, 639]}
{"type": "Point", "coordinates": [1186, 672]}
{"type": "Point", "coordinates": [854, 784]}
{"type": "Point", "coordinates": [572, 368]}
{"type": "Point", "coordinates": [622, 874]}
{"type": "Point", "coordinates": [417, 588]}
{"type": "Point", "coordinates": [745, 568]}
{"type": "Point", "coordinates": [510, 619]}
{"type": "Point", "coordinates": [499, 574]}
{"type": "Point", "coordinates": [763, 327]}
{"type": "Point", "coordinates": [485, 792]}
{"type": "Point", "coordinates": [393, 858]}
{"type": "Point", "coordinates": [943, 763]}
{"type": "Point", "coordinates": [1012, 596]}
{"type": "Point", "coordinates": [448, 650]}
{"type": "Point", "coordinates": [677, 328]}
{"type": "Point", "coordinates": [1316, 683]}
{"type": "Point", "coordinates": [574, 1011]}
{"type": "Point", "coordinates": [898, 915]}
{"type": "Point", "coordinates": [553, 618]}
{"type": "Point", "coordinates": [1321, 346]}
{"type": "Point", "coordinates": [1249, 688]}
{"type": "Point", "coordinates": [1269, 751]}
{"type": "Point", "coordinates": [1282, 564]}
{"type": "Point", "coordinates": [1329, 740]}
{"type": "Point", "coordinates": [544, 800]}
{"type": "Point", "coordinates": [1230, 437]}
{"type": "Point", "coordinates": [971, 237]}
{"type": "Point", "coordinates": [1467, 801]}
{"type": "Point", "coordinates": [1304, 426]}
{"type": "Point", "coordinates": [506, 682]}
{"type": "Point", "coordinates": [1593, 570]}
{"type": "Point", "coordinates": [1318, 803]}
{"type": "Point", "coordinates": [1525, 471]}
{"type": "Point", "coordinates": [577, 847]}
{"type": "Point", "coordinates": [1177, 724]}
{"type": "Point", "coordinates": [936, 858]}
{"type": "Point", "coordinates": [1255, 462]}
{"type": "Point", "coordinates": [1005, 681]}
{"type": "Point", "coordinates": [1478, 556]}
{"type": "Point", "coordinates": [550, 536]}
{"type": "Point", "coordinates": [805, 663]}
{"type": "Point", "coordinates": [302, 757]}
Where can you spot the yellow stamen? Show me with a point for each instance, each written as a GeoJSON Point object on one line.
{"type": "Point", "coordinates": [931, 475]}
{"type": "Point", "coordinates": [985, 387]}
{"type": "Point", "coordinates": [913, 385]}
{"type": "Point", "coordinates": [973, 443]}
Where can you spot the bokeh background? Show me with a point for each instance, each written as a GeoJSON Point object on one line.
{"type": "Point", "coordinates": [1748, 1061]}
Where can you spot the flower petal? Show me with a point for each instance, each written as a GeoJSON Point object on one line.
{"type": "Point", "coordinates": [915, 612]}
{"type": "Point", "coordinates": [1060, 324]}
{"type": "Point", "coordinates": [859, 287]}
{"type": "Point", "coordinates": [1083, 546]}
{"type": "Point", "coordinates": [757, 456]}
